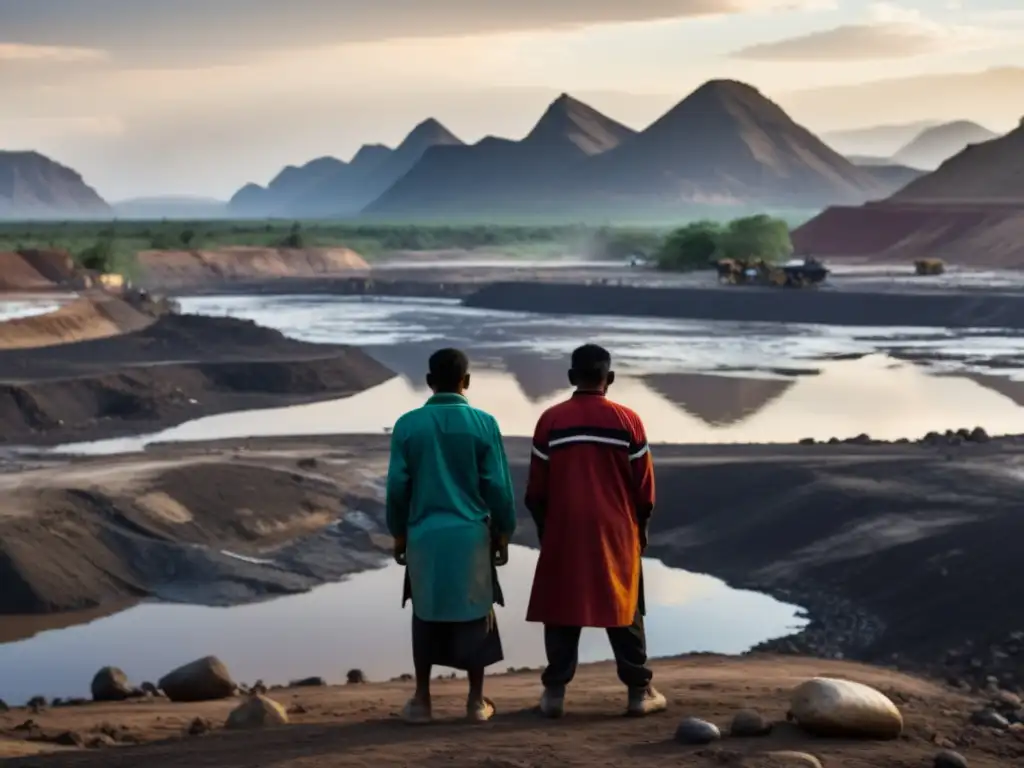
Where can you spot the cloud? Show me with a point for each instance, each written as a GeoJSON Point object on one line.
{"type": "Point", "coordinates": [48, 53]}
{"type": "Point", "coordinates": [222, 28]}
{"type": "Point", "coordinates": [889, 32]}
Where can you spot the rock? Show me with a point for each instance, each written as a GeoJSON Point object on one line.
{"type": "Point", "coordinates": [151, 689]}
{"type": "Point", "coordinates": [99, 741]}
{"type": "Point", "coordinates": [355, 677]}
{"type": "Point", "coordinates": [309, 463]}
{"type": "Point", "coordinates": [787, 758]}
{"type": "Point", "coordinates": [199, 726]}
{"type": "Point", "coordinates": [988, 718]}
{"type": "Point", "coordinates": [256, 712]}
{"type": "Point", "coordinates": [110, 684]}
{"type": "Point", "coordinates": [205, 679]}
{"type": "Point", "coordinates": [307, 682]}
{"type": "Point", "coordinates": [748, 723]}
{"type": "Point", "coordinates": [68, 739]}
{"type": "Point", "coordinates": [4, 707]}
{"type": "Point", "coordinates": [1007, 701]}
{"type": "Point", "coordinates": [830, 707]}
{"type": "Point", "coordinates": [947, 758]}
{"type": "Point", "coordinates": [695, 731]}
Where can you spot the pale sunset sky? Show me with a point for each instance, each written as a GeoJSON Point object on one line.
{"type": "Point", "coordinates": [201, 96]}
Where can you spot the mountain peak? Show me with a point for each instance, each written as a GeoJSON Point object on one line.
{"type": "Point", "coordinates": [568, 119]}
{"type": "Point", "coordinates": [427, 134]}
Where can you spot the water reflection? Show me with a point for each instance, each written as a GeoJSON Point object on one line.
{"type": "Point", "coordinates": [885, 398]}
{"type": "Point", "coordinates": [358, 623]}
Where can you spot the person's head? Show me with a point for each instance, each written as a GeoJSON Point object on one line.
{"type": "Point", "coordinates": [448, 371]}
{"type": "Point", "coordinates": [591, 368]}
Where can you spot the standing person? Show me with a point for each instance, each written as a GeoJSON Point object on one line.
{"type": "Point", "coordinates": [591, 494]}
{"type": "Point", "coordinates": [451, 511]}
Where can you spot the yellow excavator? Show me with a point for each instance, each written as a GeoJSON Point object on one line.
{"type": "Point", "coordinates": [804, 273]}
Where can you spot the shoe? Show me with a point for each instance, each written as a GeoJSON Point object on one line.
{"type": "Point", "coordinates": [416, 713]}
{"type": "Point", "coordinates": [552, 702]}
{"type": "Point", "coordinates": [480, 711]}
{"type": "Point", "coordinates": [645, 701]}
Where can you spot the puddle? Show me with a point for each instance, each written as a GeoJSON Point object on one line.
{"type": "Point", "coordinates": [358, 623]}
{"type": "Point", "coordinates": [884, 397]}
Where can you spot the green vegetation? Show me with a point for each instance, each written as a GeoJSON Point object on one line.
{"type": "Point", "coordinates": [696, 245]}
{"type": "Point", "coordinates": [112, 246]}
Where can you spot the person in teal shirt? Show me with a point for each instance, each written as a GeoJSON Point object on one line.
{"type": "Point", "coordinates": [451, 510]}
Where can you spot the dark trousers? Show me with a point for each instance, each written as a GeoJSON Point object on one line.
{"type": "Point", "coordinates": [629, 644]}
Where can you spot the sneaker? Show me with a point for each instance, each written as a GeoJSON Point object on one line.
{"type": "Point", "coordinates": [645, 701]}
{"type": "Point", "coordinates": [552, 702]}
{"type": "Point", "coordinates": [480, 711]}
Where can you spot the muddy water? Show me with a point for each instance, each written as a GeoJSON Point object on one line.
{"type": "Point", "coordinates": [359, 624]}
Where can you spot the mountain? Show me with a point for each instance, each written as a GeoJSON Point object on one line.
{"type": "Point", "coordinates": [989, 172]}
{"type": "Point", "coordinates": [893, 176]}
{"type": "Point", "coordinates": [499, 175]}
{"type": "Point", "coordinates": [277, 197]}
{"type": "Point", "coordinates": [171, 207]}
{"type": "Point", "coordinates": [939, 143]}
{"type": "Point", "coordinates": [32, 186]}
{"type": "Point", "coordinates": [726, 143]}
{"type": "Point", "coordinates": [876, 140]}
{"type": "Point", "coordinates": [718, 401]}
{"type": "Point", "coordinates": [723, 144]}
{"type": "Point", "coordinates": [329, 187]}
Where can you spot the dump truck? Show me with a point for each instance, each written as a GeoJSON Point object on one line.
{"type": "Point", "coordinates": [925, 267]}
{"type": "Point", "coordinates": [802, 273]}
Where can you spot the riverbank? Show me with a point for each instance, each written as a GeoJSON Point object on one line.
{"type": "Point", "coordinates": [894, 549]}
{"type": "Point", "coordinates": [356, 725]}
{"type": "Point", "coordinates": [891, 307]}
{"type": "Point", "coordinates": [179, 368]}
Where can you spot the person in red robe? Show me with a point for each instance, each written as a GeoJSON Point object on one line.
{"type": "Point", "coordinates": [591, 495]}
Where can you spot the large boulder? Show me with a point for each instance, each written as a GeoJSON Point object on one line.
{"type": "Point", "coordinates": [111, 684]}
{"type": "Point", "coordinates": [828, 707]}
{"type": "Point", "coordinates": [256, 712]}
{"type": "Point", "coordinates": [204, 679]}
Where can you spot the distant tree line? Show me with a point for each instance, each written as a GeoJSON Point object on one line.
{"type": "Point", "coordinates": [697, 245]}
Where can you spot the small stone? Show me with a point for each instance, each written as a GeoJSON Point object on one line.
{"type": "Point", "coordinates": [205, 679]}
{"type": "Point", "coordinates": [947, 758]}
{"type": "Point", "coordinates": [787, 758]}
{"type": "Point", "coordinates": [308, 682]}
{"type": "Point", "coordinates": [256, 712]}
{"type": "Point", "coordinates": [749, 723]}
{"type": "Point", "coordinates": [99, 741]}
{"type": "Point", "coordinates": [355, 677]}
{"type": "Point", "coordinates": [199, 726]}
{"type": "Point", "coordinates": [695, 731]}
{"type": "Point", "coordinates": [987, 718]}
{"type": "Point", "coordinates": [1007, 701]}
{"type": "Point", "coordinates": [110, 684]}
{"type": "Point", "coordinates": [68, 739]}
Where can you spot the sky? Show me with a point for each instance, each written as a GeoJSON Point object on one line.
{"type": "Point", "coordinates": [201, 96]}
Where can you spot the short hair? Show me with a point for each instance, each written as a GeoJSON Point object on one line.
{"type": "Point", "coordinates": [591, 362]}
{"type": "Point", "coordinates": [448, 367]}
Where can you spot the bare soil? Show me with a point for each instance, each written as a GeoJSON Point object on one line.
{"type": "Point", "coordinates": [357, 725]}
{"type": "Point", "coordinates": [177, 369]}
{"type": "Point", "coordinates": [94, 316]}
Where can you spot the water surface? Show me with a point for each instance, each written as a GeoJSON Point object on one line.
{"type": "Point", "coordinates": [358, 623]}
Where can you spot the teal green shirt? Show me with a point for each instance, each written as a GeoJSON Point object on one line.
{"type": "Point", "coordinates": [448, 488]}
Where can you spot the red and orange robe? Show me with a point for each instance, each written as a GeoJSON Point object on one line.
{"type": "Point", "coordinates": [591, 493]}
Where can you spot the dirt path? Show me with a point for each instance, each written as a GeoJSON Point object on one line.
{"type": "Point", "coordinates": [357, 725]}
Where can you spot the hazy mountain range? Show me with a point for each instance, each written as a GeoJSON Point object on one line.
{"type": "Point", "coordinates": [723, 145]}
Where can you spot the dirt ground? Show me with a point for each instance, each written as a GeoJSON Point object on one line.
{"type": "Point", "coordinates": [179, 368]}
{"type": "Point", "coordinates": [90, 317]}
{"type": "Point", "coordinates": [358, 725]}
